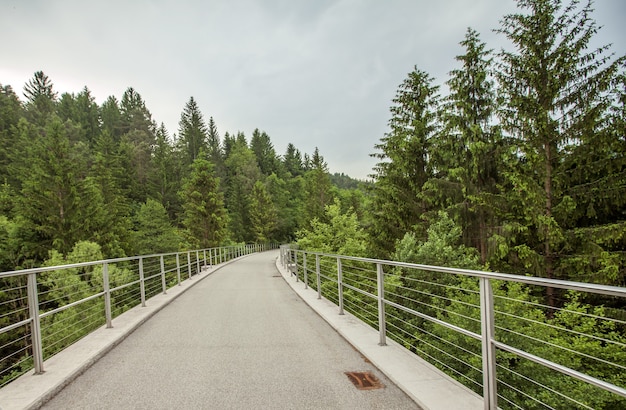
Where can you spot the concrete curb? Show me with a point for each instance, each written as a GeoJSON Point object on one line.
{"type": "Point", "coordinates": [429, 387]}
{"type": "Point", "coordinates": [31, 391]}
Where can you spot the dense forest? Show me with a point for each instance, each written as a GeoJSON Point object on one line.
{"type": "Point", "coordinates": [517, 163]}
{"type": "Point", "coordinates": [73, 171]}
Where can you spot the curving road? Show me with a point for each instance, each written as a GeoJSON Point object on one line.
{"type": "Point", "coordinates": [240, 339]}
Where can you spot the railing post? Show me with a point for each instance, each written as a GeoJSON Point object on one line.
{"type": "Point", "coordinates": [189, 263]}
{"type": "Point", "coordinates": [490, 393]}
{"type": "Point", "coordinates": [33, 311]}
{"type": "Point", "coordinates": [382, 328]}
{"type": "Point", "coordinates": [107, 294]}
{"type": "Point", "coordinates": [306, 275]}
{"type": "Point", "coordinates": [163, 284]}
{"type": "Point", "coordinates": [319, 279]}
{"type": "Point", "coordinates": [142, 283]}
{"type": "Point", "coordinates": [178, 267]}
{"type": "Point", "coordinates": [340, 285]}
{"type": "Point", "coordinates": [295, 264]}
{"type": "Point", "coordinates": [198, 261]}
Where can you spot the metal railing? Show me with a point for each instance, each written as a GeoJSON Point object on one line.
{"type": "Point", "coordinates": [44, 310]}
{"type": "Point", "coordinates": [490, 331]}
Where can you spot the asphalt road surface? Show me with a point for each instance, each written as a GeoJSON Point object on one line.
{"type": "Point", "coordinates": [239, 339]}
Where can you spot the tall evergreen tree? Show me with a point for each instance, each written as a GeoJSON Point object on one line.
{"type": "Point", "coordinates": [111, 117]}
{"type": "Point", "coordinates": [264, 152]}
{"type": "Point", "coordinates": [155, 233]}
{"type": "Point", "coordinates": [137, 140]}
{"type": "Point", "coordinates": [11, 111]}
{"type": "Point", "coordinates": [135, 115]}
{"type": "Point", "coordinates": [242, 173]}
{"type": "Point", "coordinates": [467, 152]}
{"type": "Point", "coordinates": [40, 98]}
{"type": "Point", "coordinates": [51, 188]}
{"type": "Point", "coordinates": [551, 87]}
{"type": "Point", "coordinates": [166, 174]}
{"type": "Point", "coordinates": [397, 202]}
{"type": "Point", "coordinates": [318, 190]}
{"type": "Point", "coordinates": [192, 132]}
{"type": "Point", "coordinates": [293, 161]}
{"type": "Point", "coordinates": [204, 214]}
{"type": "Point", "coordinates": [215, 153]}
{"type": "Point", "coordinates": [262, 214]}
{"type": "Point", "coordinates": [82, 110]}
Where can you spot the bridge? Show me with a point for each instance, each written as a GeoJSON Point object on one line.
{"type": "Point", "coordinates": [241, 327]}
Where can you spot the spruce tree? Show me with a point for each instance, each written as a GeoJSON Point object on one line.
{"type": "Point", "coordinates": [318, 190]}
{"type": "Point", "coordinates": [192, 132]}
{"type": "Point", "coordinates": [40, 98]}
{"type": "Point", "coordinates": [204, 215]}
{"type": "Point", "coordinates": [262, 214]}
{"type": "Point", "coordinates": [552, 86]}
{"type": "Point", "coordinates": [466, 154]}
{"type": "Point", "coordinates": [404, 153]}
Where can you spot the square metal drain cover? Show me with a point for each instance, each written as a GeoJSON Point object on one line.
{"type": "Point", "coordinates": [364, 380]}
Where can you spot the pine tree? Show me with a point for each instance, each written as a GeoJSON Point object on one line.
{"type": "Point", "coordinates": [51, 186]}
{"type": "Point", "coordinates": [318, 190]}
{"type": "Point", "coordinates": [166, 174]}
{"type": "Point", "coordinates": [155, 233]}
{"type": "Point", "coordinates": [11, 111]}
{"type": "Point", "coordinates": [40, 98]}
{"type": "Point", "coordinates": [552, 89]}
{"type": "Point", "coordinates": [134, 114]}
{"type": "Point", "coordinates": [215, 153]}
{"type": "Point", "coordinates": [192, 132]}
{"type": "Point", "coordinates": [293, 161]}
{"type": "Point", "coordinates": [265, 154]}
{"type": "Point", "coordinates": [137, 140]}
{"type": "Point", "coordinates": [262, 214]}
{"type": "Point", "coordinates": [82, 110]}
{"type": "Point", "coordinates": [242, 173]}
{"type": "Point", "coordinates": [465, 155]}
{"type": "Point", "coordinates": [398, 203]}
{"type": "Point", "coordinates": [111, 117]}
{"type": "Point", "coordinates": [204, 215]}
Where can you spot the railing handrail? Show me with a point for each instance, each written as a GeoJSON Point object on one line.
{"type": "Point", "coordinates": [40, 269]}
{"type": "Point", "coordinates": [607, 290]}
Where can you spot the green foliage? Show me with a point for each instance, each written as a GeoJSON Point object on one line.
{"type": "Point", "coordinates": [205, 217]}
{"type": "Point", "coordinates": [443, 247]}
{"type": "Point", "coordinates": [262, 214]}
{"type": "Point", "coordinates": [242, 174]}
{"type": "Point", "coordinates": [398, 202]}
{"type": "Point", "coordinates": [192, 132]}
{"type": "Point", "coordinates": [341, 235]}
{"type": "Point", "coordinates": [154, 231]}
{"type": "Point", "coordinates": [318, 189]}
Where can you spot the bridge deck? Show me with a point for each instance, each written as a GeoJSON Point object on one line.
{"type": "Point", "coordinates": [239, 338]}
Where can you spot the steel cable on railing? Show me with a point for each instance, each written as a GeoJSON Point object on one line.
{"type": "Point", "coordinates": [561, 347]}
{"type": "Point", "coordinates": [412, 337]}
{"type": "Point", "coordinates": [537, 384]}
{"type": "Point", "coordinates": [564, 329]}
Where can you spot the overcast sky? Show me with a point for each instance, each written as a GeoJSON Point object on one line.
{"type": "Point", "coordinates": [310, 72]}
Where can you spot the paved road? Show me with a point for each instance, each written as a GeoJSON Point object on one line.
{"type": "Point", "coordinates": [240, 339]}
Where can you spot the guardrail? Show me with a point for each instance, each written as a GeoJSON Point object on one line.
{"type": "Point", "coordinates": [43, 310]}
{"type": "Point", "coordinates": [491, 331]}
